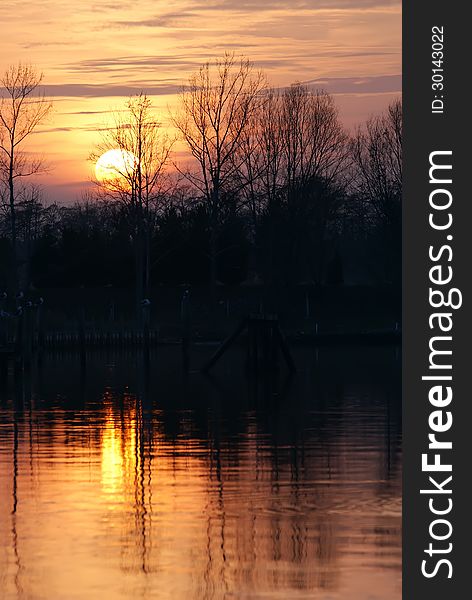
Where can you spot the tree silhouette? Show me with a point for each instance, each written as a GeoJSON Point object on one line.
{"type": "Point", "coordinates": [377, 155]}
{"type": "Point", "coordinates": [292, 167]}
{"type": "Point", "coordinates": [136, 183]}
{"type": "Point", "coordinates": [217, 106]}
{"type": "Point", "coordinates": [22, 108]}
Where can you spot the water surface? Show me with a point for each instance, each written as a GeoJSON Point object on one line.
{"type": "Point", "coordinates": [127, 482]}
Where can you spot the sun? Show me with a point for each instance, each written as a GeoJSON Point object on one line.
{"type": "Point", "coordinates": [115, 167]}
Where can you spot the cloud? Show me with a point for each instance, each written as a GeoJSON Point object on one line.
{"type": "Point", "coordinates": [299, 61]}
{"type": "Point", "coordinates": [74, 184]}
{"type": "Point", "coordinates": [143, 63]}
{"type": "Point", "coordinates": [290, 8]}
{"type": "Point", "coordinates": [86, 112]}
{"type": "Point", "coordinates": [30, 45]}
{"type": "Point", "coordinates": [88, 90]}
{"type": "Point", "coordinates": [166, 20]}
{"type": "Point", "coordinates": [53, 130]}
{"type": "Point", "coordinates": [116, 66]}
{"type": "Point", "coordinates": [294, 5]}
{"type": "Point", "coordinates": [358, 85]}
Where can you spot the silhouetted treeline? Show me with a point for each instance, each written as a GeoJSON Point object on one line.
{"type": "Point", "coordinates": [322, 235]}
{"type": "Point", "coordinates": [280, 193]}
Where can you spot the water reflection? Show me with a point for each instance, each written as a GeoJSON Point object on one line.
{"type": "Point", "coordinates": [124, 481]}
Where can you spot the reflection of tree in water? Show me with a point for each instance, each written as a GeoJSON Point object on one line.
{"type": "Point", "coordinates": [126, 478]}
{"type": "Point", "coordinates": [237, 491]}
{"type": "Point", "coordinates": [14, 509]}
{"type": "Point", "coordinates": [22, 427]}
{"type": "Point", "coordinates": [262, 523]}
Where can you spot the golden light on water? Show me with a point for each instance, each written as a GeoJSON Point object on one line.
{"type": "Point", "coordinates": [120, 456]}
{"type": "Point", "coordinates": [112, 458]}
{"type": "Point", "coordinates": [125, 502]}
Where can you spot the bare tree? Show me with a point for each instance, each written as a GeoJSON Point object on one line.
{"type": "Point", "coordinates": [258, 168]}
{"type": "Point", "coordinates": [296, 136]}
{"type": "Point", "coordinates": [217, 106]}
{"type": "Point", "coordinates": [136, 179]}
{"type": "Point", "coordinates": [22, 108]}
{"type": "Point", "coordinates": [315, 161]}
{"type": "Point", "coordinates": [315, 141]}
{"type": "Point", "coordinates": [303, 155]}
{"type": "Point", "coordinates": [377, 156]}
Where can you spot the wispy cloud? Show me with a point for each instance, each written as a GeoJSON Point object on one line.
{"type": "Point", "coordinates": [359, 85]}
{"type": "Point", "coordinates": [86, 112]}
{"type": "Point", "coordinates": [293, 5]}
{"type": "Point", "coordinates": [170, 19]}
{"type": "Point", "coordinates": [97, 53]}
{"type": "Point", "coordinates": [134, 62]}
{"type": "Point", "coordinates": [84, 90]}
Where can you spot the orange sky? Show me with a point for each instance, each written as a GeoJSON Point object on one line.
{"type": "Point", "coordinates": [95, 54]}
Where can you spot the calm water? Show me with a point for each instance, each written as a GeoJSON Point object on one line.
{"type": "Point", "coordinates": [127, 483]}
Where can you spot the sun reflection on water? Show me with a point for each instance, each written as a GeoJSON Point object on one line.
{"type": "Point", "coordinates": [136, 500]}
{"type": "Point", "coordinates": [112, 458]}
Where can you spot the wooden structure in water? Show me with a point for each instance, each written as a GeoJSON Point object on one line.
{"type": "Point", "coordinates": [20, 334]}
{"type": "Point", "coordinates": [264, 343]}
{"type": "Point", "coordinates": [7, 354]}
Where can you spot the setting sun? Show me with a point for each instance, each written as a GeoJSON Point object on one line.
{"type": "Point", "coordinates": [201, 283]}
{"type": "Point", "coordinates": [115, 167]}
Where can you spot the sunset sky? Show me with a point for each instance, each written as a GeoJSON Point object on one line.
{"type": "Point", "coordinates": [94, 54]}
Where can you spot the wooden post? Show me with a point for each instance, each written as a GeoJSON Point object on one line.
{"type": "Point", "coordinates": [19, 342]}
{"type": "Point", "coordinates": [285, 350]}
{"type": "Point", "coordinates": [253, 344]}
{"type": "Point", "coordinates": [3, 369]}
{"type": "Point", "coordinates": [28, 335]}
{"type": "Point", "coordinates": [82, 344]}
{"type": "Point", "coordinates": [40, 327]}
{"type": "Point", "coordinates": [3, 325]}
{"type": "Point", "coordinates": [225, 345]}
{"type": "Point", "coordinates": [146, 317]}
{"type": "Point", "coordinates": [268, 344]}
{"type": "Point", "coordinates": [263, 341]}
{"type": "Point", "coordinates": [185, 319]}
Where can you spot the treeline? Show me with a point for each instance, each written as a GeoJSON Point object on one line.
{"type": "Point", "coordinates": [277, 191]}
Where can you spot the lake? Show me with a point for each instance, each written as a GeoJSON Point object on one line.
{"type": "Point", "coordinates": [132, 480]}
